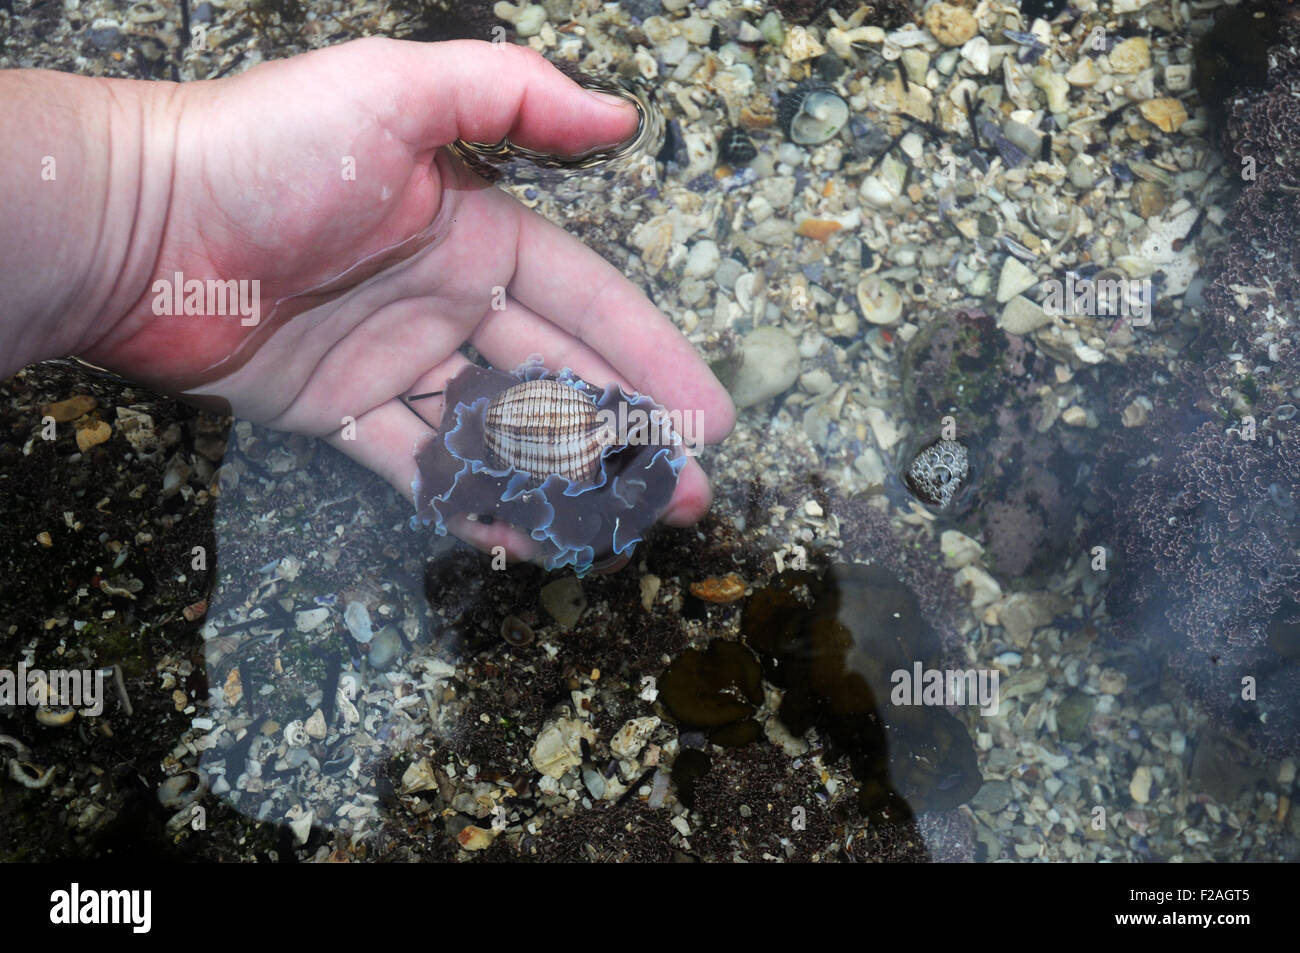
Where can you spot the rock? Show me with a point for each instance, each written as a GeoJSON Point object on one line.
{"type": "Point", "coordinates": [1112, 682]}
{"type": "Point", "coordinates": [818, 229]}
{"type": "Point", "coordinates": [1080, 173]}
{"type": "Point", "coordinates": [770, 365]}
{"type": "Point", "coordinates": [106, 35]}
{"type": "Point", "coordinates": [138, 429]}
{"type": "Point", "coordinates": [357, 618]}
{"type": "Point", "coordinates": [978, 586]}
{"type": "Point", "coordinates": [1075, 416]}
{"type": "Point", "coordinates": [564, 601]}
{"type": "Point", "coordinates": [950, 25]}
{"type": "Point", "coordinates": [559, 746]}
{"type": "Point", "coordinates": [1014, 279]}
{"type": "Point", "coordinates": [703, 259]}
{"type": "Point", "coordinates": [958, 549]}
{"type": "Point", "coordinates": [801, 45]}
{"type": "Point", "coordinates": [475, 838]}
{"type": "Point", "coordinates": [1148, 199]}
{"type": "Point", "coordinates": [1131, 56]}
{"type": "Point", "coordinates": [650, 584]}
{"type": "Point", "coordinates": [91, 433]}
{"type": "Point", "coordinates": [233, 690]}
{"type": "Point", "coordinates": [310, 619]}
{"type": "Point", "coordinates": [385, 647]}
{"type": "Point", "coordinates": [315, 725]}
{"type": "Point", "coordinates": [992, 797]}
{"type": "Point", "coordinates": [1083, 73]}
{"type": "Point", "coordinates": [300, 823]}
{"type": "Point", "coordinates": [1073, 716]}
{"type": "Point", "coordinates": [722, 591]}
{"type": "Point", "coordinates": [65, 410]}
{"type": "Point", "coordinates": [1166, 114]}
{"type": "Point", "coordinates": [1021, 613]}
{"type": "Point", "coordinates": [419, 776]}
{"type": "Point", "coordinates": [976, 52]}
{"type": "Point", "coordinates": [631, 738]}
{"type": "Point", "coordinates": [1022, 316]}
{"type": "Point", "coordinates": [1140, 787]}
{"type": "Point", "coordinates": [1054, 87]}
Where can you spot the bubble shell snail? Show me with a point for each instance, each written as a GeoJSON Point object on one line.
{"type": "Point", "coordinates": [584, 471]}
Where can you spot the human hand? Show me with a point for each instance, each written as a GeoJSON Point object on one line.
{"type": "Point", "coordinates": [258, 192]}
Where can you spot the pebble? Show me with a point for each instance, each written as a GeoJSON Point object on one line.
{"type": "Point", "coordinates": [978, 586]}
{"type": "Point", "coordinates": [1083, 73]}
{"type": "Point", "coordinates": [719, 590]}
{"type": "Point", "coordinates": [631, 738]}
{"type": "Point", "coordinates": [1148, 199]}
{"type": "Point", "coordinates": [769, 366]}
{"type": "Point", "coordinates": [357, 618]}
{"type": "Point", "coordinates": [1140, 787]}
{"type": "Point", "coordinates": [385, 647]}
{"type": "Point", "coordinates": [958, 549]}
{"type": "Point", "coordinates": [992, 797]}
{"type": "Point", "coordinates": [879, 301]}
{"type": "Point", "coordinates": [1054, 87]}
{"type": "Point", "coordinates": [1166, 114]}
{"type": "Point", "coordinates": [564, 601]}
{"type": "Point", "coordinates": [950, 25]}
{"type": "Point", "coordinates": [1022, 316]}
{"type": "Point", "coordinates": [703, 259]}
{"type": "Point", "coordinates": [310, 619]}
{"type": "Point", "coordinates": [976, 52]}
{"type": "Point", "coordinates": [64, 411]}
{"type": "Point", "coordinates": [91, 433]}
{"type": "Point", "coordinates": [1131, 56]}
{"type": "Point", "coordinates": [1014, 279]}
{"type": "Point", "coordinates": [1080, 172]}
{"type": "Point", "coordinates": [559, 746]}
{"type": "Point", "coordinates": [801, 45]}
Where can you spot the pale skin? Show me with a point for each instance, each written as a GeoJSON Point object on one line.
{"type": "Point", "coordinates": [242, 178]}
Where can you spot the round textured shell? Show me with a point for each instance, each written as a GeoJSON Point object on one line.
{"type": "Point", "coordinates": [545, 427]}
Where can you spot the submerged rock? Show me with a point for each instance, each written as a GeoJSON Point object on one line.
{"type": "Point", "coordinates": [834, 645]}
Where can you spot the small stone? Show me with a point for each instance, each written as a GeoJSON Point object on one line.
{"type": "Point", "coordinates": [195, 610]}
{"type": "Point", "coordinates": [1073, 715]}
{"type": "Point", "coordinates": [818, 228]}
{"type": "Point", "coordinates": [1178, 78]}
{"type": "Point", "coordinates": [703, 259]}
{"type": "Point", "coordinates": [1148, 199]}
{"type": "Point", "coordinates": [1075, 416]}
{"type": "Point", "coordinates": [45, 539]}
{"type": "Point", "coordinates": [91, 433]}
{"type": "Point", "coordinates": [1080, 172]}
{"type": "Point", "coordinates": [770, 366]}
{"type": "Point", "coordinates": [357, 618]}
{"type": "Point", "coordinates": [419, 776]}
{"type": "Point", "coordinates": [233, 690]}
{"type": "Point", "coordinates": [976, 52]}
{"type": "Point", "coordinates": [315, 725]}
{"type": "Point", "coordinates": [1166, 113]}
{"type": "Point", "coordinates": [631, 738]}
{"type": "Point", "coordinates": [1014, 279]}
{"type": "Point", "coordinates": [879, 301]}
{"type": "Point", "coordinates": [1131, 56]}
{"type": "Point", "coordinates": [475, 838]}
{"type": "Point", "coordinates": [310, 619]}
{"type": "Point", "coordinates": [65, 410]}
{"type": "Point", "coordinates": [300, 823]}
{"type": "Point", "coordinates": [1021, 614]}
{"type": "Point", "coordinates": [721, 591]}
{"type": "Point", "coordinates": [992, 797]}
{"type": "Point", "coordinates": [385, 648]}
{"type": "Point", "coordinates": [801, 45]}
{"type": "Point", "coordinates": [559, 746]}
{"type": "Point", "coordinates": [1112, 681]}
{"type": "Point", "coordinates": [1140, 787]}
{"type": "Point", "coordinates": [1083, 73]}
{"type": "Point", "coordinates": [958, 549]}
{"type": "Point", "coordinates": [950, 25]}
{"type": "Point", "coordinates": [564, 601]}
{"type": "Point", "coordinates": [650, 584]}
{"type": "Point", "coordinates": [1022, 316]}
{"type": "Point", "coordinates": [981, 588]}
{"type": "Point", "coordinates": [1054, 87]}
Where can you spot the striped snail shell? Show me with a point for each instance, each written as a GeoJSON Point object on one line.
{"type": "Point", "coordinates": [545, 427]}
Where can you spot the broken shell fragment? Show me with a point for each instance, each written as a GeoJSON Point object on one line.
{"type": "Point", "coordinates": [812, 113]}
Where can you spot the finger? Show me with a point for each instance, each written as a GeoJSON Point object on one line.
{"type": "Point", "coordinates": [571, 286]}
{"type": "Point", "coordinates": [486, 92]}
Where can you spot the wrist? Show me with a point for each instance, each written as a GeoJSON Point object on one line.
{"type": "Point", "coordinates": [88, 164]}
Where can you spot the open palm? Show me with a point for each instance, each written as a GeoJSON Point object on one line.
{"type": "Point", "coordinates": [378, 256]}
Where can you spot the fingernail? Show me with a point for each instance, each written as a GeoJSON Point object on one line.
{"type": "Point", "coordinates": [609, 99]}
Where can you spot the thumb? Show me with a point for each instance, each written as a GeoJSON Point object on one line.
{"type": "Point", "coordinates": [486, 92]}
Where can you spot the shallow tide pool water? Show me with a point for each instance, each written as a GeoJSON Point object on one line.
{"type": "Point", "coordinates": [1003, 556]}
